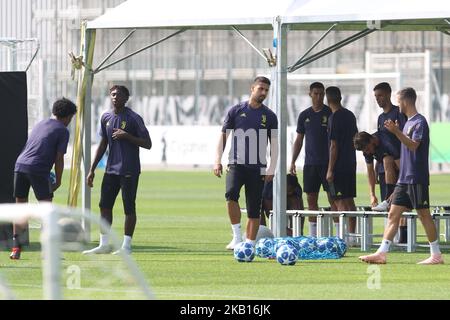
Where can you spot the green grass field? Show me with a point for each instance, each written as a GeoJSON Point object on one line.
{"type": "Point", "coordinates": [179, 246]}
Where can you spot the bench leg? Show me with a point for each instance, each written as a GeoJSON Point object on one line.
{"type": "Point", "coordinates": [296, 225]}
{"type": "Point", "coordinates": [447, 230]}
{"type": "Point", "coordinates": [412, 234]}
{"type": "Point", "coordinates": [365, 233]}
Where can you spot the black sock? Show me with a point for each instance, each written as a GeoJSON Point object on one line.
{"type": "Point", "coordinates": [403, 234]}
{"type": "Point", "coordinates": [16, 242]}
{"type": "Point", "coordinates": [389, 190]}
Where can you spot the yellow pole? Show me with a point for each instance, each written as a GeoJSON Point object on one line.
{"type": "Point", "coordinates": [83, 102]}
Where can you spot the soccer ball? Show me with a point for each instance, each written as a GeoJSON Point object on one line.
{"type": "Point", "coordinates": [327, 248]}
{"type": "Point", "coordinates": [286, 240]}
{"type": "Point", "coordinates": [265, 248]}
{"type": "Point", "coordinates": [322, 245]}
{"type": "Point", "coordinates": [308, 246]}
{"type": "Point", "coordinates": [263, 232]}
{"type": "Point", "coordinates": [52, 177]}
{"type": "Point", "coordinates": [287, 255]}
{"type": "Point", "coordinates": [341, 246]}
{"type": "Point", "coordinates": [71, 230]}
{"type": "Point", "coordinates": [244, 252]}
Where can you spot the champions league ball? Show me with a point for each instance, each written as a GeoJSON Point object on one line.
{"type": "Point", "coordinates": [263, 232]}
{"type": "Point", "coordinates": [71, 230]}
{"type": "Point", "coordinates": [244, 252]}
{"type": "Point", "coordinates": [322, 245]}
{"type": "Point", "coordinates": [286, 240]}
{"type": "Point", "coordinates": [341, 246]}
{"type": "Point", "coordinates": [327, 248]}
{"type": "Point", "coordinates": [52, 177]}
{"type": "Point", "coordinates": [265, 248]}
{"type": "Point", "coordinates": [287, 255]}
{"type": "Point", "coordinates": [308, 246]}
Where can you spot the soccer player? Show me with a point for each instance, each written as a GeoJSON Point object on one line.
{"type": "Point", "coordinates": [45, 147]}
{"type": "Point", "coordinates": [412, 187]}
{"type": "Point", "coordinates": [252, 125]}
{"type": "Point", "coordinates": [312, 123]}
{"type": "Point", "coordinates": [123, 131]}
{"type": "Point", "coordinates": [375, 146]}
{"type": "Point", "coordinates": [341, 172]}
{"type": "Point", "coordinates": [294, 200]}
{"type": "Point", "coordinates": [388, 179]}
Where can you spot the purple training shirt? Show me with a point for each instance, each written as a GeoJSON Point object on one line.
{"type": "Point", "coordinates": [123, 158]}
{"type": "Point", "coordinates": [46, 139]}
{"type": "Point", "coordinates": [414, 164]}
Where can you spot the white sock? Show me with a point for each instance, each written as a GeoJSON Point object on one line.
{"type": "Point", "coordinates": [336, 228]}
{"type": "Point", "coordinates": [250, 241]}
{"type": "Point", "coordinates": [434, 247]}
{"type": "Point", "coordinates": [126, 242]}
{"type": "Point", "coordinates": [313, 229]}
{"type": "Point", "coordinates": [104, 240]}
{"type": "Point", "coordinates": [236, 231]}
{"type": "Point", "coordinates": [384, 246]}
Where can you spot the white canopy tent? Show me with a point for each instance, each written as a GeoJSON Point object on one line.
{"type": "Point", "coordinates": [363, 17]}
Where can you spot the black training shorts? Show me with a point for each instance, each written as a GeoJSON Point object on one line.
{"type": "Point", "coordinates": [313, 177]}
{"type": "Point", "coordinates": [411, 196]}
{"type": "Point", "coordinates": [343, 186]}
{"type": "Point", "coordinates": [239, 175]}
{"type": "Point", "coordinates": [41, 185]}
{"type": "Point", "coordinates": [111, 185]}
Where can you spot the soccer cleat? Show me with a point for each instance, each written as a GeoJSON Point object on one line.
{"type": "Point", "coordinates": [98, 250]}
{"type": "Point", "coordinates": [375, 258]}
{"type": "Point", "coordinates": [381, 207]}
{"type": "Point", "coordinates": [232, 244]}
{"type": "Point", "coordinates": [124, 250]}
{"type": "Point", "coordinates": [433, 259]}
{"type": "Point", "coordinates": [15, 253]}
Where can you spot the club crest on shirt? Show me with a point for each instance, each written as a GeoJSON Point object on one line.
{"type": "Point", "coordinates": [324, 119]}
{"type": "Point", "coordinates": [307, 120]}
{"type": "Point", "coordinates": [123, 124]}
{"type": "Point", "coordinates": [242, 115]}
{"type": "Point", "coordinates": [263, 120]}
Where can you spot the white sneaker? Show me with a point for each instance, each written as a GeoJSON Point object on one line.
{"type": "Point", "coordinates": [98, 250]}
{"type": "Point", "coordinates": [232, 244]}
{"type": "Point", "coordinates": [122, 250]}
{"type": "Point", "coordinates": [382, 207]}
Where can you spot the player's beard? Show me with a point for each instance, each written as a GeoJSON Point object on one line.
{"type": "Point", "coordinates": [261, 98]}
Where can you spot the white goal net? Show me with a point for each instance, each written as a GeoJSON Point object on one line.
{"type": "Point", "coordinates": [53, 267]}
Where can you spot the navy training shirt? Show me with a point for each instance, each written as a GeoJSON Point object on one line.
{"type": "Point", "coordinates": [46, 139]}
{"type": "Point", "coordinates": [395, 115]}
{"type": "Point", "coordinates": [251, 131]}
{"type": "Point", "coordinates": [414, 164]}
{"type": "Point", "coordinates": [314, 126]}
{"type": "Point", "coordinates": [123, 158]}
{"type": "Point", "coordinates": [385, 148]}
{"type": "Point", "coordinates": [342, 128]}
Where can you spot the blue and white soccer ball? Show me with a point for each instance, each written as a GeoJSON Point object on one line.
{"type": "Point", "coordinates": [286, 240]}
{"type": "Point", "coordinates": [244, 252]}
{"type": "Point", "coordinates": [265, 248]}
{"type": "Point", "coordinates": [342, 246]}
{"type": "Point", "coordinates": [327, 248]}
{"type": "Point", "coordinates": [308, 247]}
{"type": "Point", "coordinates": [52, 177]}
{"type": "Point", "coordinates": [287, 255]}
